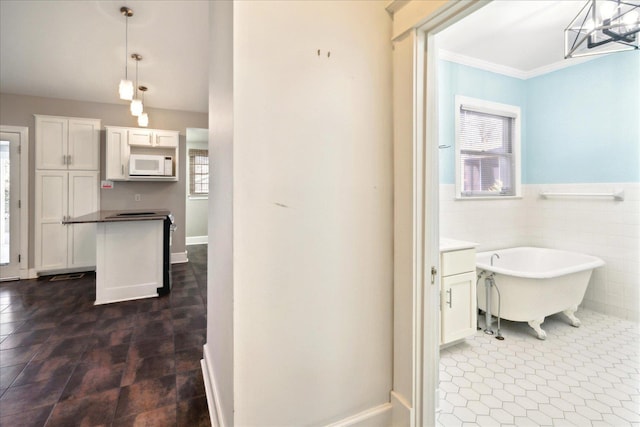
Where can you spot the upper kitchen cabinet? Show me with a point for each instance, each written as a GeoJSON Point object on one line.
{"type": "Point", "coordinates": [153, 138]}
{"type": "Point", "coordinates": [117, 154]}
{"type": "Point", "coordinates": [128, 148]}
{"type": "Point", "coordinates": [67, 143]}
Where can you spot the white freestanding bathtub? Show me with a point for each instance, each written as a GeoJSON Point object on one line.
{"type": "Point", "coordinates": [534, 283]}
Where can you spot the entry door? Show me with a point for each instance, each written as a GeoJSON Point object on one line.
{"type": "Point", "coordinates": [9, 206]}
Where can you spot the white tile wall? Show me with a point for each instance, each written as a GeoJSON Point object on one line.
{"type": "Point", "coordinates": [601, 227]}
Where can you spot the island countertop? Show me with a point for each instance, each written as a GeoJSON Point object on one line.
{"type": "Point", "coordinates": [120, 215]}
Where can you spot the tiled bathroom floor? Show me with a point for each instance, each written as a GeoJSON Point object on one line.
{"type": "Point", "coordinates": [586, 376]}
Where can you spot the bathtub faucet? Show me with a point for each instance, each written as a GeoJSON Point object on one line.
{"type": "Point", "coordinates": [494, 255]}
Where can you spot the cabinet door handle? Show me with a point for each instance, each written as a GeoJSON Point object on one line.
{"type": "Point", "coordinates": [64, 160]}
{"type": "Point", "coordinates": [122, 169]}
{"type": "Point", "coordinates": [69, 159]}
{"type": "Point", "coordinates": [450, 302]}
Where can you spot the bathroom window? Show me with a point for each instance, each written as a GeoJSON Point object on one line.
{"type": "Point", "coordinates": [487, 149]}
{"type": "Point", "coordinates": [198, 172]}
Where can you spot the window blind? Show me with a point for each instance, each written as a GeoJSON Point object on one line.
{"type": "Point", "coordinates": [198, 172]}
{"type": "Point", "coordinates": [486, 153]}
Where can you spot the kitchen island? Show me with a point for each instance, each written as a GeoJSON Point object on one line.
{"type": "Point", "coordinates": [132, 253]}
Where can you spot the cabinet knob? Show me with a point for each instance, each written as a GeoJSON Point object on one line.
{"type": "Point", "coordinates": [450, 302]}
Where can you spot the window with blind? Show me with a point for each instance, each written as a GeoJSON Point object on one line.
{"type": "Point", "coordinates": [487, 149]}
{"type": "Point", "coordinates": [198, 172]}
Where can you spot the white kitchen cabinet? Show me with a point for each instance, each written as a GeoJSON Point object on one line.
{"type": "Point", "coordinates": [66, 143]}
{"type": "Point", "coordinates": [117, 153]}
{"type": "Point", "coordinates": [163, 138]}
{"type": "Point", "coordinates": [60, 195]}
{"type": "Point", "coordinates": [458, 303]}
{"type": "Point", "coordinates": [153, 138]}
{"type": "Point", "coordinates": [122, 142]}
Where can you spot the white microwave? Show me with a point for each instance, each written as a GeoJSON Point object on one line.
{"type": "Point", "coordinates": [150, 165]}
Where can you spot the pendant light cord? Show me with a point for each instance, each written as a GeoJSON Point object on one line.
{"type": "Point", "coordinates": [137, 60]}
{"type": "Point", "coordinates": [126, 46]}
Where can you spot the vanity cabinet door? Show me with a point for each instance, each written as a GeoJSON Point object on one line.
{"type": "Point", "coordinates": [458, 305]}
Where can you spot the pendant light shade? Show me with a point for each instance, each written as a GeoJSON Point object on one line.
{"type": "Point", "coordinates": [136, 107]}
{"type": "Point", "coordinates": [136, 104]}
{"type": "Point", "coordinates": [143, 118]}
{"type": "Point", "coordinates": [125, 89]}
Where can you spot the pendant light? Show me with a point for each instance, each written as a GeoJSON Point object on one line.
{"type": "Point", "coordinates": [136, 104]}
{"type": "Point", "coordinates": [125, 88]}
{"type": "Point", "coordinates": [143, 119]}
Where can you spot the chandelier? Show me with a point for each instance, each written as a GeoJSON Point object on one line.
{"type": "Point", "coordinates": [603, 26]}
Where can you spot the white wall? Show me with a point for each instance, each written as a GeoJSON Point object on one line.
{"type": "Point", "coordinates": [600, 227]}
{"type": "Point", "coordinates": [304, 181]}
{"type": "Point", "coordinates": [312, 211]}
{"type": "Point", "coordinates": [218, 351]}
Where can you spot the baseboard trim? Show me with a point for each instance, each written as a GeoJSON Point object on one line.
{"type": "Point", "coordinates": [211, 390]}
{"type": "Point", "coordinates": [366, 415]}
{"type": "Point", "coordinates": [179, 257]}
{"type": "Point", "coordinates": [197, 240]}
{"type": "Point", "coordinates": [31, 274]}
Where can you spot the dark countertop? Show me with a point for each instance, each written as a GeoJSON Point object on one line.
{"type": "Point", "coordinates": [123, 215]}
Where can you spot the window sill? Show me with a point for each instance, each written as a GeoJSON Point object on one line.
{"type": "Point", "coordinates": [464, 199]}
{"type": "Point", "coordinates": [198, 197]}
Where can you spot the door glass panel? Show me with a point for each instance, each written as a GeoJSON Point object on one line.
{"type": "Point", "coordinates": [9, 208]}
{"type": "Point", "coordinates": [5, 198]}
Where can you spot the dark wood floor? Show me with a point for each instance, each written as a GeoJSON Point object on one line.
{"type": "Point", "coordinates": [66, 362]}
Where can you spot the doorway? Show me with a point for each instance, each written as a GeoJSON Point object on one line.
{"type": "Point", "coordinates": [197, 182]}
{"type": "Point", "coordinates": [13, 202]}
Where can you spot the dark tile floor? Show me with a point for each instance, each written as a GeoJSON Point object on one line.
{"type": "Point", "coordinates": [66, 362]}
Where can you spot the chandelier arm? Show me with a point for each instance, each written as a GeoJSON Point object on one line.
{"type": "Point", "coordinates": [584, 21]}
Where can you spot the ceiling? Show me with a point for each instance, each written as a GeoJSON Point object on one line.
{"type": "Point", "coordinates": [75, 49]}
{"type": "Point", "coordinates": [522, 35]}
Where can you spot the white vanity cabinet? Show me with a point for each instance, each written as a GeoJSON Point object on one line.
{"type": "Point", "coordinates": [458, 303]}
{"type": "Point", "coordinates": [121, 142]}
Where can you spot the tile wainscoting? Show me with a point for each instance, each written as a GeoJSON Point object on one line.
{"type": "Point", "coordinates": [597, 226]}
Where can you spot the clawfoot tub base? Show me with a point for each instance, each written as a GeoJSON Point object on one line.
{"type": "Point", "coordinates": [535, 324]}
{"type": "Point", "coordinates": [570, 313]}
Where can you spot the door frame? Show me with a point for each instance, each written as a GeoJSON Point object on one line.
{"type": "Point", "coordinates": [23, 134]}
{"type": "Point", "coordinates": [426, 208]}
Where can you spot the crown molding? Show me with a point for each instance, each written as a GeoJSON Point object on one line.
{"type": "Point", "coordinates": [510, 71]}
